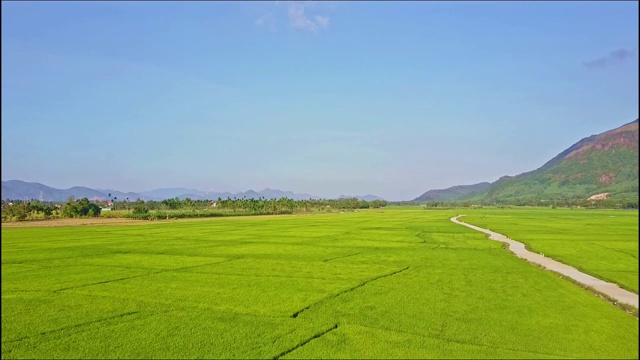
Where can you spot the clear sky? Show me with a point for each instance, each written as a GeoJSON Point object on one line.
{"type": "Point", "coordinates": [328, 98]}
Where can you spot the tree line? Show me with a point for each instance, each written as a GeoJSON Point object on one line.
{"type": "Point", "coordinates": [18, 210]}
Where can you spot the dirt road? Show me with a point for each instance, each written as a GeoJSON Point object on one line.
{"type": "Point", "coordinates": [611, 290]}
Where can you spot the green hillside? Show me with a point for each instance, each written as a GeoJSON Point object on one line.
{"type": "Point", "coordinates": [604, 163]}
{"type": "Point", "coordinates": [453, 193]}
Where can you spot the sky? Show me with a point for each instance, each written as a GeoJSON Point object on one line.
{"type": "Point", "coordinates": [325, 98]}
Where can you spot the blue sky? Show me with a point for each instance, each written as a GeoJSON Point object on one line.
{"type": "Point", "coordinates": [328, 98]}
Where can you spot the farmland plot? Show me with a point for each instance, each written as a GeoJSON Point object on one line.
{"type": "Point", "coordinates": [373, 284]}
{"type": "Point", "coordinates": [602, 243]}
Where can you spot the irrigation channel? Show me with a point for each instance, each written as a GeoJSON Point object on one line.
{"type": "Point", "coordinates": [611, 290]}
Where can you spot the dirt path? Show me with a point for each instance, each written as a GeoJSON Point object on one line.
{"type": "Point", "coordinates": [611, 290]}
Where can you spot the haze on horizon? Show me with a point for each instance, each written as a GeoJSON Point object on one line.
{"type": "Point", "coordinates": [325, 98]}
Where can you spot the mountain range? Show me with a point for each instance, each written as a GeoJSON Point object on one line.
{"type": "Point", "coordinates": [605, 163]}
{"type": "Point", "coordinates": [21, 190]}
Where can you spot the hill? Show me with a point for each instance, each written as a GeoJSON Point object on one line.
{"type": "Point", "coordinates": [453, 193]}
{"type": "Point", "coordinates": [367, 197]}
{"type": "Point", "coordinates": [169, 193]}
{"type": "Point", "coordinates": [22, 190]}
{"type": "Point", "coordinates": [277, 194]}
{"type": "Point", "coordinates": [598, 164]}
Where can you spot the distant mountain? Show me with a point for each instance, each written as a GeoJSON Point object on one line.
{"type": "Point", "coordinates": [183, 193]}
{"type": "Point", "coordinates": [602, 163]}
{"type": "Point", "coordinates": [277, 194]}
{"type": "Point", "coordinates": [453, 193]}
{"type": "Point", "coordinates": [170, 193]}
{"type": "Point", "coordinates": [367, 197]}
{"type": "Point", "coordinates": [250, 194]}
{"type": "Point", "coordinates": [132, 196]}
{"type": "Point", "coordinates": [192, 197]}
{"type": "Point", "coordinates": [21, 190]}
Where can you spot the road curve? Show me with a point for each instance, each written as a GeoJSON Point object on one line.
{"type": "Point", "coordinates": [611, 290]}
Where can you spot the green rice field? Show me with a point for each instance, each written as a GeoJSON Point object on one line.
{"type": "Point", "coordinates": [602, 243]}
{"type": "Point", "coordinates": [388, 283]}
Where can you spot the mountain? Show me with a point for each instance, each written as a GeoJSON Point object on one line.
{"type": "Point", "coordinates": [132, 196]}
{"type": "Point", "coordinates": [21, 190]}
{"type": "Point", "coordinates": [192, 197]}
{"type": "Point", "coordinates": [170, 193]}
{"type": "Point", "coordinates": [367, 197]}
{"type": "Point", "coordinates": [453, 193]}
{"type": "Point", "coordinates": [277, 194]}
{"type": "Point", "coordinates": [602, 163]}
{"type": "Point", "coordinates": [183, 193]}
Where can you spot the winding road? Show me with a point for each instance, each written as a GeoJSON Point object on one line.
{"type": "Point", "coordinates": [611, 290]}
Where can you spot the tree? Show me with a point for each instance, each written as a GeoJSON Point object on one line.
{"type": "Point", "coordinates": [188, 203]}
{"type": "Point", "coordinates": [80, 208]}
{"type": "Point", "coordinates": [18, 211]}
{"type": "Point", "coordinates": [139, 207]}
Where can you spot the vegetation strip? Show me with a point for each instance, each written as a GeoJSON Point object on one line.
{"type": "Point", "coordinates": [306, 341]}
{"type": "Point", "coordinates": [21, 210]}
{"type": "Point", "coordinates": [611, 290]}
{"type": "Point", "coordinates": [295, 315]}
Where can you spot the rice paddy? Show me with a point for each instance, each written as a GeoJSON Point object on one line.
{"type": "Point", "coordinates": [602, 243]}
{"type": "Point", "coordinates": [391, 283]}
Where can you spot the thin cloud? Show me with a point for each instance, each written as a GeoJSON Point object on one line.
{"type": "Point", "coordinates": [299, 20]}
{"type": "Point", "coordinates": [615, 57]}
{"type": "Point", "coordinates": [322, 21]}
{"type": "Point", "coordinates": [298, 15]}
{"type": "Point", "coordinates": [268, 21]}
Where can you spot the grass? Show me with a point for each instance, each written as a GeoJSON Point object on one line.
{"type": "Point", "coordinates": [393, 283]}
{"type": "Point", "coordinates": [602, 243]}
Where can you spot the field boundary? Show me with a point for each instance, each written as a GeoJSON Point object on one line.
{"type": "Point", "coordinates": [295, 315]}
{"type": "Point", "coordinates": [345, 256]}
{"type": "Point", "coordinates": [461, 342]}
{"type": "Point", "coordinates": [610, 290]}
{"type": "Point", "coordinates": [73, 326]}
{"type": "Point", "coordinates": [305, 342]}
